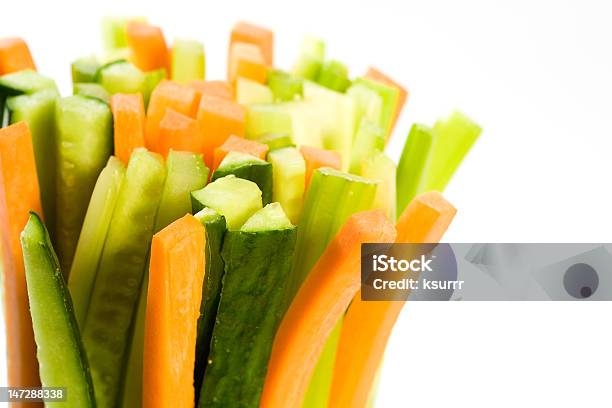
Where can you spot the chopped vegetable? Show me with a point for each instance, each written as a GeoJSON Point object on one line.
{"type": "Point", "coordinates": [14, 56]}
{"type": "Point", "coordinates": [25, 82]}
{"type": "Point", "coordinates": [267, 118]}
{"type": "Point", "coordinates": [148, 46]}
{"type": "Point", "coordinates": [176, 276]}
{"type": "Point", "coordinates": [334, 75]}
{"type": "Point", "coordinates": [390, 99]}
{"type": "Point", "coordinates": [84, 144]}
{"type": "Point", "coordinates": [219, 89]}
{"type": "Point", "coordinates": [276, 140]}
{"type": "Point", "coordinates": [249, 92]}
{"type": "Point", "coordinates": [376, 75]}
{"type": "Point", "coordinates": [318, 305]}
{"type": "Point", "coordinates": [129, 123]}
{"type": "Point", "coordinates": [367, 325]}
{"type": "Point", "coordinates": [257, 259]}
{"type": "Point", "coordinates": [53, 319]}
{"type": "Point", "coordinates": [239, 144]}
{"type": "Point", "coordinates": [19, 194]}
{"type": "Point", "coordinates": [178, 132]}
{"type": "Point", "coordinates": [188, 61]}
{"type": "Point", "coordinates": [369, 140]}
{"type": "Point", "coordinates": [288, 175]}
{"type": "Point", "coordinates": [247, 167]}
{"type": "Point", "coordinates": [380, 167]}
{"type": "Point", "coordinates": [92, 236]}
{"type": "Point", "coordinates": [317, 158]}
{"type": "Point", "coordinates": [246, 61]}
{"type": "Point", "coordinates": [121, 77]}
{"type": "Point", "coordinates": [310, 60]}
{"type": "Point", "coordinates": [90, 90]}
{"type": "Point", "coordinates": [251, 34]}
{"type": "Point", "coordinates": [84, 69]}
{"type": "Point", "coordinates": [284, 86]}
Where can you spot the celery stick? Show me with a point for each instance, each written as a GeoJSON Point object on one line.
{"type": "Point", "coordinates": [284, 86]}
{"type": "Point", "coordinates": [369, 140]}
{"type": "Point", "coordinates": [188, 60]}
{"type": "Point", "coordinates": [266, 118]}
{"type": "Point", "coordinates": [380, 167]}
{"type": "Point", "coordinates": [334, 75]}
{"type": "Point", "coordinates": [276, 140]}
{"type": "Point", "coordinates": [390, 98]}
{"type": "Point", "coordinates": [288, 176]}
{"type": "Point", "coordinates": [249, 92]}
{"type": "Point", "coordinates": [455, 136]}
{"type": "Point", "coordinates": [310, 60]}
{"type": "Point", "coordinates": [368, 103]}
{"type": "Point", "coordinates": [93, 234]}
{"type": "Point", "coordinates": [412, 164]}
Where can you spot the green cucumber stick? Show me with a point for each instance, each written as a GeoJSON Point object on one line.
{"type": "Point", "coordinates": [84, 69]}
{"type": "Point", "coordinates": [38, 111]}
{"type": "Point", "coordinates": [93, 234]}
{"type": "Point", "coordinates": [332, 197]}
{"type": "Point", "coordinates": [185, 172]}
{"type": "Point", "coordinates": [188, 60]}
{"type": "Point", "coordinates": [60, 351]}
{"type": "Point", "coordinates": [276, 140]}
{"type": "Point", "coordinates": [121, 77]}
{"type": "Point", "coordinates": [258, 258]}
{"type": "Point", "coordinates": [112, 308]}
{"type": "Point", "coordinates": [91, 90]}
{"type": "Point", "coordinates": [380, 167]}
{"type": "Point", "coordinates": [2, 104]}
{"type": "Point", "coordinates": [455, 136]}
{"type": "Point", "coordinates": [84, 143]}
{"type": "Point", "coordinates": [24, 82]}
{"type": "Point", "coordinates": [266, 118]}
{"type": "Point", "coordinates": [413, 164]}
{"type": "Point", "coordinates": [248, 167]}
{"type": "Point", "coordinates": [288, 176]}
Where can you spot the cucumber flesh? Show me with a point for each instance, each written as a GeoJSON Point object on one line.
{"type": "Point", "coordinates": [59, 348]}
{"type": "Point", "coordinates": [369, 140]}
{"type": "Point", "coordinates": [271, 217]}
{"type": "Point", "coordinates": [121, 77]}
{"type": "Point", "coordinates": [249, 92]}
{"type": "Point", "coordinates": [214, 224]}
{"type": "Point", "coordinates": [288, 175]}
{"type": "Point", "coordinates": [276, 140]}
{"type": "Point", "coordinates": [84, 144]}
{"type": "Point", "coordinates": [248, 167]}
{"type": "Point", "coordinates": [267, 118]}
{"type": "Point", "coordinates": [252, 304]}
{"type": "Point", "coordinates": [234, 198]}
{"type": "Point", "coordinates": [112, 307]}
{"type": "Point", "coordinates": [38, 111]}
{"type": "Point", "coordinates": [91, 90]}
{"type": "Point", "coordinates": [93, 235]}
{"type": "Point", "coordinates": [188, 60]}
{"type": "Point", "coordinates": [84, 69]}
{"type": "Point", "coordinates": [25, 82]}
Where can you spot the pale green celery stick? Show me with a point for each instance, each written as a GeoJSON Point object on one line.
{"type": "Point", "coordinates": [455, 136]}
{"type": "Point", "coordinates": [249, 92]}
{"type": "Point", "coordinates": [310, 60]}
{"type": "Point", "coordinates": [412, 164]}
{"type": "Point", "coordinates": [188, 60]}
{"type": "Point", "coordinates": [380, 167]}
{"type": "Point", "coordinates": [93, 235]}
{"type": "Point", "coordinates": [288, 176]}
{"type": "Point", "coordinates": [266, 118]}
{"type": "Point", "coordinates": [369, 140]}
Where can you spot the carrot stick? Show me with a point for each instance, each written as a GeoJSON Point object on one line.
{"type": "Point", "coordinates": [318, 305]}
{"type": "Point", "coordinates": [148, 46]}
{"type": "Point", "coordinates": [239, 144]}
{"type": "Point", "coordinates": [259, 36]}
{"type": "Point", "coordinates": [219, 89]}
{"type": "Point", "coordinates": [316, 158]}
{"type": "Point", "coordinates": [378, 76]}
{"type": "Point", "coordinates": [15, 56]}
{"type": "Point", "coordinates": [178, 132]}
{"type": "Point", "coordinates": [367, 325]}
{"type": "Point", "coordinates": [19, 194]}
{"type": "Point", "coordinates": [176, 275]}
{"type": "Point", "coordinates": [246, 61]}
{"type": "Point", "coordinates": [129, 123]}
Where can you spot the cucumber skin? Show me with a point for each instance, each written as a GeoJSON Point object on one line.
{"type": "Point", "coordinates": [113, 303]}
{"type": "Point", "coordinates": [257, 265]}
{"type": "Point", "coordinates": [40, 259]}
{"type": "Point", "coordinates": [211, 294]}
{"type": "Point", "coordinates": [258, 173]}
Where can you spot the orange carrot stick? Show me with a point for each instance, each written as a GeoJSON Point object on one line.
{"type": "Point", "coordinates": [318, 305]}
{"type": "Point", "coordinates": [316, 158]}
{"type": "Point", "coordinates": [259, 36]}
{"type": "Point", "coordinates": [218, 119]}
{"type": "Point", "coordinates": [14, 56]}
{"type": "Point", "coordinates": [129, 123]}
{"type": "Point", "coordinates": [168, 94]}
{"type": "Point", "coordinates": [178, 132]}
{"type": "Point", "coordinates": [219, 89]}
{"type": "Point", "coordinates": [378, 76]}
{"type": "Point", "coordinates": [239, 144]}
{"type": "Point", "coordinates": [19, 195]}
{"type": "Point", "coordinates": [246, 61]}
{"type": "Point", "coordinates": [148, 46]}
{"type": "Point", "coordinates": [176, 274]}
{"type": "Point", "coordinates": [367, 325]}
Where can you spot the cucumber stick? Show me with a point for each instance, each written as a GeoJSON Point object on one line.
{"type": "Point", "coordinates": [90, 90]}
{"type": "Point", "coordinates": [247, 167]}
{"type": "Point", "coordinates": [380, 167]}
{"type": "Point", "coordinates": [38, 111]}
{"type": "Point", "coordinates": [249, 92]}
{"type": "Point", "coordinates": [121, 77]}
{"type": "Point", "coordinates": [369, 140]}
{"type": "Point", "coordinates": [188, 60]}
{"type": "Point", "coordinates": [234, 198]}
{"type": "Point", "coordinates": [185, 172]}
{"type": "Point", "coordinates": [25, 82]}
{"type": "Point", "coordinates": [262, 118]}
{"type": "Point", "coordinates": [91, 240]}
{"type": "Point", "coordinates": [111, 312]}
{"type": "Point", "coordinates": [258, 261]}
{"type": "Point", "coordinates": [214, 224]}
{"type": "Point", "coordinates": [289, 174]}
{"type": "Point", "coordinates": [276, 140]}
{"type": "Point", "coordinates": [59, 348]}
{"type": "Point", "coordinates": [84, 69]}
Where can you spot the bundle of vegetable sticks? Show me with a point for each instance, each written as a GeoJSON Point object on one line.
{"type": "Point", "coordinates": [172, 241]}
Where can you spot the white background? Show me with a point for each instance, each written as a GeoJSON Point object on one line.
{"type": "Point", "coordinates": [536, 75]}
